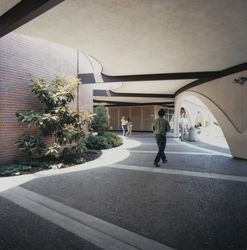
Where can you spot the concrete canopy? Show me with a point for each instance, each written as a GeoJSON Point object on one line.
{"type": "Point", "coordinates": [154, 87]}
{"type": "Point", "coordinates": [146, 37]}
{"type": "Point", "coordinates": [135, 37]}
{"type": "Point", "coordinates": [5, 5]}
{"type": "Point", "coordinates": [137, 100]}
{"type": "Point", "coordinates": [145, 88]}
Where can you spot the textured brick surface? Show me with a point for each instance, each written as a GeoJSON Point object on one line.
{"type": "Point", "coordinates": [20, 57]}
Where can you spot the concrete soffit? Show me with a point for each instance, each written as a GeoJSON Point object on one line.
{"type": "Point", "coordinates": [192, 42]}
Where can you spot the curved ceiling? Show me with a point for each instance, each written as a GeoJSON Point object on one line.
{"type": "Point", "coordinates": [5, 5]}
{"type": "Point", "coordinates": [152, 87]}
{"type": "Point", "coordinates": [147, 37]}
{"type": "Point", "coordinates": [134, 100]}
{"type": "Point", "coordinates": [141, 37]}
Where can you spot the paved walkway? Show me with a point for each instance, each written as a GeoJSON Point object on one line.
{"type": "Point", "coordinates": [198, 200]}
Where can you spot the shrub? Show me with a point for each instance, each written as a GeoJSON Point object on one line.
{"type": "Point", "coordinates": [97, 142]}
{"type": "Point", "coordinates": [73, 154]}
{"type": "Point", "coordinates": [113, 140]}
{"type": "Point", "coordinates": [105, 141]}
{"type": "Point", "coordinates": [101, 120]}
{"type": "Point", "coordinates": [91, 154]}
{"type": "Point", "coordinates": [33, 145]}
{"type": "Point", "coordinates": [68, 128]}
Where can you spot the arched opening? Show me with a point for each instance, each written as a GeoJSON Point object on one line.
{"type": "Point", "coordinates": [194, 114]}
{"type": "Point", "coordinates": [235, 138]}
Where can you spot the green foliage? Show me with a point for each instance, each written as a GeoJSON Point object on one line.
{"type": "Point", "coordinates": [91, 154]}
{"type": "Point", "coordinates": [101, 120]}
{"type": "Point", "coordinates": [40, 163]}
{"type": "Point", "coordinates": [113, 140]}
{"type": "Point", "coordinates": [53, 151]}
{"type": "Point", "coordinates": [97, 142]}
{"type": "Point", "coordinates": [58, 120]}
{"type": "Point", "coordinates": [60, 92]}
{"type": "Point", "coordinates": [73, 154]}
{"type": "Point", "coordinates": [68, 129]}
{"type": "Point", "coordinates": [13, 169]}
{"type": "Point", "coordinates": [30, 117]}
{"type": "Point", "coordinates": [105, 141]}
{"type": "Point", "coordinates": [69, 156]}
{"type": "Point", "coordinates": [27, 166]}
{"type": "Point", "coordinates": [33, 145]}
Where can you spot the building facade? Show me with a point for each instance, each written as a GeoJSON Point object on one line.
{"type": "Point", "coordinates": [20, 58]}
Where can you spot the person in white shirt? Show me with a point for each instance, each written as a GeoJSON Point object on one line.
{"type": "Point", "coordinates": [183, 124]}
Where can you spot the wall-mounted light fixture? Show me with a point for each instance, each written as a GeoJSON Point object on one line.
{"type": "Point", "coordinates": [241, 80]}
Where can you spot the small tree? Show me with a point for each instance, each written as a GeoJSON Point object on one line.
{"type": "Point", "coordinates": [68, 128]}
{"type": "Point", "coordinates": [101, 121]}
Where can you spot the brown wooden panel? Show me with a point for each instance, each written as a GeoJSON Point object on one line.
{"type": "Point", "coordinates": [114, 119]}
{"type": "Point", "coordinates": [148, 117]}
{"type": "Point", "coordinates": [136, 118]}
{"type": "Point", "coordinates": [124, 111]}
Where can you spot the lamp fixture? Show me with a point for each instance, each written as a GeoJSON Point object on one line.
{"type": "Point", "coordinates": [241, 80]}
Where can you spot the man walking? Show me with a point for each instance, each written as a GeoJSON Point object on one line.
{"type": "Point", "coordinates": [160, 127]}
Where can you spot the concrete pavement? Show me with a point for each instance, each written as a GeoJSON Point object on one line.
{"type": "Point", "coordinates": [197, 200]}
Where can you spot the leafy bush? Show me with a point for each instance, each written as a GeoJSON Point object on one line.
{"type": "Point", "coordinates": [31, 144]}
{"type": "Point", "coordinates": [113, 140]}
{"type": "Point", "coordinates": [101, 120]}
{"type": "Point", "coordinates": [97, 142]}
{"type": "Point", "coordinates": [73, 154]}
{"type": "Point", "coordinates": [105, 141]}
{"type": "Point", "coordinates": [68, 128]}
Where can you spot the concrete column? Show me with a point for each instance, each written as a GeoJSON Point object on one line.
{"type": "Point", "coordinates": [177, 107]}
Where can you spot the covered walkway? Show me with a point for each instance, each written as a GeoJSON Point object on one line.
{"type": "Point", "coordinates": [195, 201]}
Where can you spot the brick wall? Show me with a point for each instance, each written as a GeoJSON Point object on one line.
{"type": "Point", "coordinates": [20, 57]}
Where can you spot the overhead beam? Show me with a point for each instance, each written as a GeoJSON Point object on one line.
{"type": "Point", "coordinates": [158, 77]}
{"type": "Point", "coordinates": [141, 95]}
{"type": "Point", "coordinates": [118, 104]}
{"type": "Point", "coordinates": [222, 73]}
{"type": "Point", "coordinates": [23, 12]}
{"type": "Point", "coordinates": [201, 77]}
{"type": "Point", "coordinates": [110, 102]}
{"type": "Point", "coordinates": [89, 78]}
{"type": "Point", "coordinates": [99, 92]}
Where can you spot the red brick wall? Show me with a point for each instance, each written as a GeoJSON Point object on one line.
{"type": "Point", "coordinates": [20, 57]}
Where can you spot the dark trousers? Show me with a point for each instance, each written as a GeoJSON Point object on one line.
{"type": "Point", "coordinates": [161, 142]}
